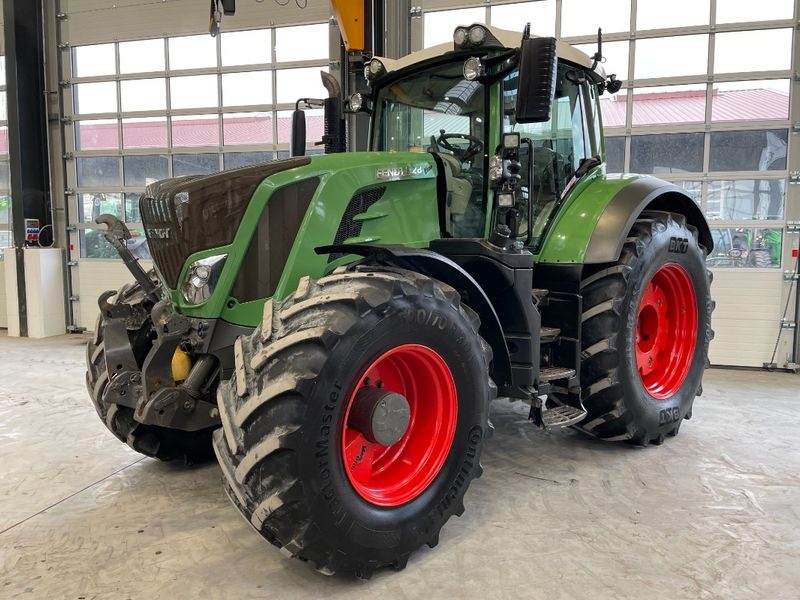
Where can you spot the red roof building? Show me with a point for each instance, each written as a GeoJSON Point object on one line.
{"type": "Point", "coordinates": [668, 108]}
{"type": "Point", "coordinates": [649, 108]}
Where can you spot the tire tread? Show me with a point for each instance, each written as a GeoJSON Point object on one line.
{"type": "Point", "coordinates": [603, 291]}
{"type": "Point", "coordinates": [257, 445]}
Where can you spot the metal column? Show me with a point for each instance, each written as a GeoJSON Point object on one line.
{"type": "Point", "coordinates": [397, 27]}
{"type": "Point", "coordinates": [387, 34]}
{"type": "Point", "coordinates": [27, 126]}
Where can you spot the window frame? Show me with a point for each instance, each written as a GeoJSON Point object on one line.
{"type": "Point", "coordinates": [163, 118]}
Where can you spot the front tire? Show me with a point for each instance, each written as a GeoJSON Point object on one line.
{"type": "Point", "coordinates": [646, 327]}
{"type": "Point", "coordinates": [165, 444]}
{"type": "Point", "coordinates": [303, 471]}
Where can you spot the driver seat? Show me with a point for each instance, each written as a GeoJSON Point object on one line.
{"type": "Point", "coordinates": [459, 192]}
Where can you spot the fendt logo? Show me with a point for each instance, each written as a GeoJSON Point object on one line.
{"type": "Point", "coordinates": [391, 173]}
{"type": "Point", "coordinates": [160, 233]}
{"type": "Point", "coordinates": [678, 245]}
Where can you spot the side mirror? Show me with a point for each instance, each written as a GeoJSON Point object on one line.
{"type": "Point", "coordinates": [298, 132]}
{"type": "Point", "coordinates": [538, 64]}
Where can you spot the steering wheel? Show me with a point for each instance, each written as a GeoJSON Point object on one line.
{"type": "Point", "coordinates": [462, 153]}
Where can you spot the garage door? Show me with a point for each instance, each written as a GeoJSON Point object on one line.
{"type": "Point", "coordinates": [144, 107]}
{"type": "Point", "coordinates": [694, 113]}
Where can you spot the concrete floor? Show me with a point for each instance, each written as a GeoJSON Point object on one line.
{"type": "Point", "coordinates": [713, 513]}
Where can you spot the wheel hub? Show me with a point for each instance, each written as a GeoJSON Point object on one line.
{"type": "Point", "coordinates": [380, 415]}
{"type": "Point", "coordinates": [666, 331]}
{"type": "Point", "coordinates": [399, 424]}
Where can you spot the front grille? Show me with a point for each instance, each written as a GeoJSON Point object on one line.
{"type": "Point", "coordinates": [163, 236]}
{"type": "Point", "coordinates": [185, 215]}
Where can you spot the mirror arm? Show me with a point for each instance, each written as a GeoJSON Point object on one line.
{"type": "Point", "coordinates": [513, 62]}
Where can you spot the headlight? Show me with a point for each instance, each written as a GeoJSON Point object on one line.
{"type": "Point", "coordinates": [359, 102]}
{"type": "Point", "coordinates": [373, 69]}
{"type": "Point", "coordinates": [505, 200]}
{"type": "Point", "coordinates": [201, 278]}
{"type": "Point", "coordinates": [356, 102]}
{"type": "Point", "coordinates": [473, 68]}
{"type": "Point", "coordinates": [477, 35]}
{"type": "Point", "coordinates": [496, 168]}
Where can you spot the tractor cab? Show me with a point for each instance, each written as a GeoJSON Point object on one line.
{"type": "Point", "coordinates": [458, 100]}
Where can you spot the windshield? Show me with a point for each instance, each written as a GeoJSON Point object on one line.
{"type": "Point", "coordinates": [412, 113]}
{"type": "Point", "coordinates": [437, 110]}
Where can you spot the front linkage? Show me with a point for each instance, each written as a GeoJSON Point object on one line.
{"type": "Point", "coordinates": [151, 366]}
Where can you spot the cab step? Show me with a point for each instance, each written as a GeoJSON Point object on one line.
{"type": "Point", "coordinates": [555, 373]}
{"type": "Point", "coordinates": [562, 416]}
{"type": "Point", "coordinates": [548, 334]}
{"type": "Point", "coordinates": [540, 297]}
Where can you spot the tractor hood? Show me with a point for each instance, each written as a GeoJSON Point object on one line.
{"type": "Point", "coordinates": [185, 215]}
{"type": "Point", "coordinates": [257, 228]}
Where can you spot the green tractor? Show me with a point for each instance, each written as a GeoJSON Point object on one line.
{"type": "Point", "coordinates": [335, 326]}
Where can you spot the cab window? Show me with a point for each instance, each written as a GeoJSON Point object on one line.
{"type": "Point", "coordinates": [560, 144]}
{"type": "Point", "coordinates": [436, 110]}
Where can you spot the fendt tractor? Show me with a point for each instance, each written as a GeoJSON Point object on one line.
{"type": "Point", "coordinates": [335, 326]}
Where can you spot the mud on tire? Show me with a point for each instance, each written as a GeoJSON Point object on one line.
{"type": "Point", "coordinates": [283, 417]}
{"type": "Point", "coordinates": [618, 403]}
{"type": "Point", "coordinates": [150, 440]}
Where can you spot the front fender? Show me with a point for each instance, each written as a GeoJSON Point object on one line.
{"type": "Point", "coordinates": [592, 227]}
{"type": "Point", "coordinates": [443, 269]}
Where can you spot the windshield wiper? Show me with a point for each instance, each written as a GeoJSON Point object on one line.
{"type": "Point", "coordinates": [586, 165]}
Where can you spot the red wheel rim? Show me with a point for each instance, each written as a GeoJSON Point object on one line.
{"type": "Point", "coordinates": [666, 331]}
{"type": "Point", "coordinates": [395, 474]}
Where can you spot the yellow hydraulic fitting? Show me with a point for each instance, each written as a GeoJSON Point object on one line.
{"type": "Point", "coordinates": [181, 365]}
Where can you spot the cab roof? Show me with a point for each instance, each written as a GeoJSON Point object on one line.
{"type": "Point", "coordinates": [509, 39]}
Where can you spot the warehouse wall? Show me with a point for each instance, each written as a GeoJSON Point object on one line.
{"type": "Point", "coordinates": [99, 277]}
{"type": "Point", "coordinates": [5, 185]}
{"type": "Point", "coordinates": [97, 21]}
{"type": "Point", "coordinates": [682, 146]}
{"type": "Point", "coordinates": [745, 317]}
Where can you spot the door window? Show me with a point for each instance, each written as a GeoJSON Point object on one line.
{"type": "Point", "coordinates": [560, 144]}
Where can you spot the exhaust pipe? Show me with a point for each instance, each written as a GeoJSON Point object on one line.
{"type": "Point", "coordinates": [334, 138]}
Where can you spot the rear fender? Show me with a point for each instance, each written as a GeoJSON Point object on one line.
{"type": "Point", "coordinates": [592, 228]}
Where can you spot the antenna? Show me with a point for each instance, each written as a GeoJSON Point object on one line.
{"type": "Point", "coordinates": [598, 56]}
{"type": "Point", "coordinates": [526, 33]}
{"type": "Point", "coordinates": [219, 8]}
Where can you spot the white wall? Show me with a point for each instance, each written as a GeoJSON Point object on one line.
{"type": "Point", "coordinates": [102, 21]}
{"type": "Point", "coordinates": [44, 290]}
{"type": "Point", "coordinates": [103, 275]}
{"type": "Point", "coordinates": [10, 283]}
{"type": "Point", "coordinates": [746, 319]}
{"type": "Point", "coordinates": [100, 275]}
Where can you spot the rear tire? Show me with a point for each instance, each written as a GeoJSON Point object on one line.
{"type": "Point", "coordinates": [282, 445]}
{"type": "Point", "coordinates": [760, 258]}
{"type": "Point", "coordinates": [640, 372]}
{"type": "Point", "coordinates": [157, 442]}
